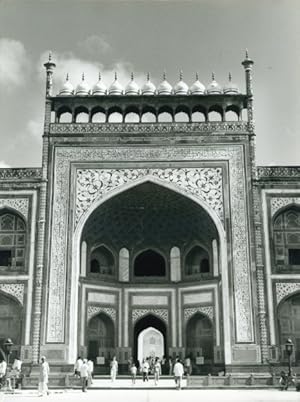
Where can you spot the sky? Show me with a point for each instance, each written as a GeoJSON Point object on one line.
{"type": "Point", "coordinates": [201, 36]}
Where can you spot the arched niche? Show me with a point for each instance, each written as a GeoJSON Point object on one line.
{"type": "Point", "coordinates": [11, 319]}
{"type": "Point", "coordinates": [100, 337]}
{"type": "Point", "coordinates": [286, 239]}
{"type": "Point", "coordinates": [13, 237]}
{"type": "Point", "coordinates": [288, 315]}
{"type": "Point", "coordinates": [102, 261]}
{"type": "Point", "coordinates": [197, 261]}
{"type": "Point", "coordinates": [199, 337]}
{"type": "Point", "coordinates": [149, 263]}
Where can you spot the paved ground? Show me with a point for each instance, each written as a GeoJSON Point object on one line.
{"type": "Point", "coordinates": [156, 395]}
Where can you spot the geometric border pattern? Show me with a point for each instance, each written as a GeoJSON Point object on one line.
{"type": "Point", "coordinates": [279, 202]}
{"type": "Point", "coordinates": [283, 289]}
{"type": "Point", "coordinates": [161, 313]}
{"type": "Point", "coordinates": [14, 289]}
{"type": "Point", "coordinates": [94, 310]}
{"type": "Point", "coordinates": [238, 201]}
{"type": "Point", "coordinates": [19, 204]}
{"type": "Point", "coordinates": [206, 310]}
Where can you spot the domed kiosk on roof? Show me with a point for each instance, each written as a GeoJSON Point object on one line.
{"type": "Point", "coordinates": [214, 87]}
{"type": "Point", "coordinates": [99, 88]}
{"type": "Point", "coordinates": [82, 89]}
{"type": "Point", "coordinates": [116, 88]}
{"type": "Point", "coordinates": [67, 88]}
{"type": "Point", "coordinates": [132, 87]}
{"type": "Point", "coordinates": [148, 88]}
{"type": "Point", "coordinates": [197, 88]}
{"type": "Point", "coordinates": [230, 88]}
{"type": "Point", "coordinates": [181, 87]}
{"type": "Point", "coordinates": [164, 87]}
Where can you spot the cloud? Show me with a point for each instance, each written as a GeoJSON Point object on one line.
{"type": "Point", "coordinates": [14, 63]}
{"type": "Point", "coordinates": [68, 63]}
{"type": "Point", "coordinates": [35, 128]}
{"type": "Point", "coordinates": [95, 45]}
{"type": "Point", "coordinates": [3, 164]}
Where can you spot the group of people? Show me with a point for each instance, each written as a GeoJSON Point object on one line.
{"type": "Point", "coordinates": [84, 369]}
{"type": "Point", "coordinates": [10, 377]}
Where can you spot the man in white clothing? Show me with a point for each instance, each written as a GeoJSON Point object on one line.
{"type": "Point", "coordinates": [84, 374]}
{"type": "Point", "coordinates": [178, 371]}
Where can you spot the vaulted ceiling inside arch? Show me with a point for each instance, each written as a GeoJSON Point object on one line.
{"type": "Point", "coordinates": [149, 215]}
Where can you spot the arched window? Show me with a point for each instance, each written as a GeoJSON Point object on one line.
{"type": "Point", "coordinates": [102, 261]}
{"type": "Point", "coordinates": [12, 242]}
{"type": "Point", "coordinates": [10, 318]}
{"type": "Point", "coordinates": [182, 117]}
{"type": "Point", "coordinates": [197, 261]}
{"type": "Point", "coordinates": [165, 117]}
{"type": "Point", "coordinates": [65, 117]}
{"type": "Point", "coordinates": [286, 230]}
{"type": "Point", "coordinates": [200, 337]}
{"type": "Point", "coordinates": [132, 117]}
{"type": "Point", "coordinates": [148, 117]}
{"type": "Point", "coordinates": [100, 337]}
{"type": "Point", "coordinates": [149, 263]}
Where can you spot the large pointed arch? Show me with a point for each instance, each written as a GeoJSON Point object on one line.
{"type": "Point", "coordinates": [181, 191]}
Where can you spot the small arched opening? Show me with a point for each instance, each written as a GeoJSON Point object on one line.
{"type": "Point", "coordinates": [149, 263]}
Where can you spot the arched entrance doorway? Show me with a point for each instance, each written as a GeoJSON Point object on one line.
{"type": "Point", "coordinates": [289, 322]}
{"type": "Point", "coordinates": [10, 321]}
{"type": "Point", "coordinates": [200, 341]}
{"type": "Point", "coordinates": [150, 338]}
{"type": "Point", "coordinates": [101, 337]}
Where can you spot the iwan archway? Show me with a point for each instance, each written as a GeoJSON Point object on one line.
{"type": "Point", "coordinates": [148, 218]}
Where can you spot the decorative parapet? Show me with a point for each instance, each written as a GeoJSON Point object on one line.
{"type": "Point", "coordinates": [14, 289]}
{"type": "Point", "coordinates": [160, 313]}
{"type": "Point", "coordinates": [278, 172]}
{"type": "Point", "coordinates": [284, 289]}
{"type": "Point", "coordinates": [20, 173]}
{"type": "Point", "coordinates": [147, 128]}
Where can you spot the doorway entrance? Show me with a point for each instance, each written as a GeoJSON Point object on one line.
{"type": "Point", "coordinates": [150, 338]}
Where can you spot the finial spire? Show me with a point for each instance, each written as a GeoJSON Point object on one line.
{"type": "Point", "coordinates": [82, 77]}
{"type": "Point", "coordinates": [99, 76]}
{"type": "Point", "coordinates": [246, 54]}
{"type": "Point", "coordinates": [229, 77]}
{"type": "Point", "coordinates": [132, 77]}
{"type": "Point", "coordinates": [148, 76]}
{"type": "Point", "coordinates": [213, 76]}
{"type": "Point", "coordinates": [197, 77]}
{"type": "Point", "coordinates": [116, 76]}
{"type": "Point", "coordinates": [49, 66]}
{"type": "Point", "coordinates": [164, 75]}
{"type": "Point", "coordinates": [67, 77]}
{"type": "Point", "coordinates": [50, 56]}
{"type": "Point", "coordinates": [180, 75]}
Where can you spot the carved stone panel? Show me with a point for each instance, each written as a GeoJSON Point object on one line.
{"type": "Point", "coordinates": [14, 289]}
{"type": "Point", "coordinates": [280, 202]}
{"type": "Point", "coordinates": [19, 204]}
{"type": "Point", "coordinates": [94, 310]}
{"type": "Point", "coordinates": [238, 202]}
{"type": "Point", "coordinates": [206, 310]}
{"type": "Point", "coordinates": [284, 289]}
{"type": "Point", "coordinates": [160, 313]}
{"type": "Point", "coordinates": [205, 183]}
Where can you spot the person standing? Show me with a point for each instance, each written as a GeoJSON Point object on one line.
{"type": "Point", "coordinates": [77, 367]}
{"type": "Point", "coordinates": [90, 364]}
{"type": "Point", "coordinates": [113, 369]}
{"type": "Point", "coordinates": [44, 377]}
{"type": "Point", "coordinates": [84, 374]}
{"type": "Point", "coordinates": [145, 370]}
{"type": "Point", "coordinates": [133, 371]}
{"type": "Point", "coordinates": [170, 366]}
{"type": "Point", "coordinates": [178, 373]}
{"type": "Point", "coordinates": [157, 371]}
{"type": "Point", "coordinates": [3, 367]}
{"type": "Point", "coordinates": [188, 366]}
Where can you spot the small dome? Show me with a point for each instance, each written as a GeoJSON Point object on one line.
{"type": "Point", "coordinates": [99, 88]}
{"type": "Point", "coordinates": [197, 88]}
{"type": "Point", "coordinates": [82, 88]}
{"type": "Point", "coordinates": [230, 88]}
{"type": "Point", "coordinates": [164, 87]}
{"type": "Point", "coordinates": [148, 88]}
{"type": "Point", "coordinates": [214, 87]}
{"type": "Point", "coordinates": [181, 88]}
{"type": "Point", "coordinates": [132, 88]}
{"type": "Point", "coordinates": [67, 88]}
{"type": "Point", "coordinates": [116, 88]}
